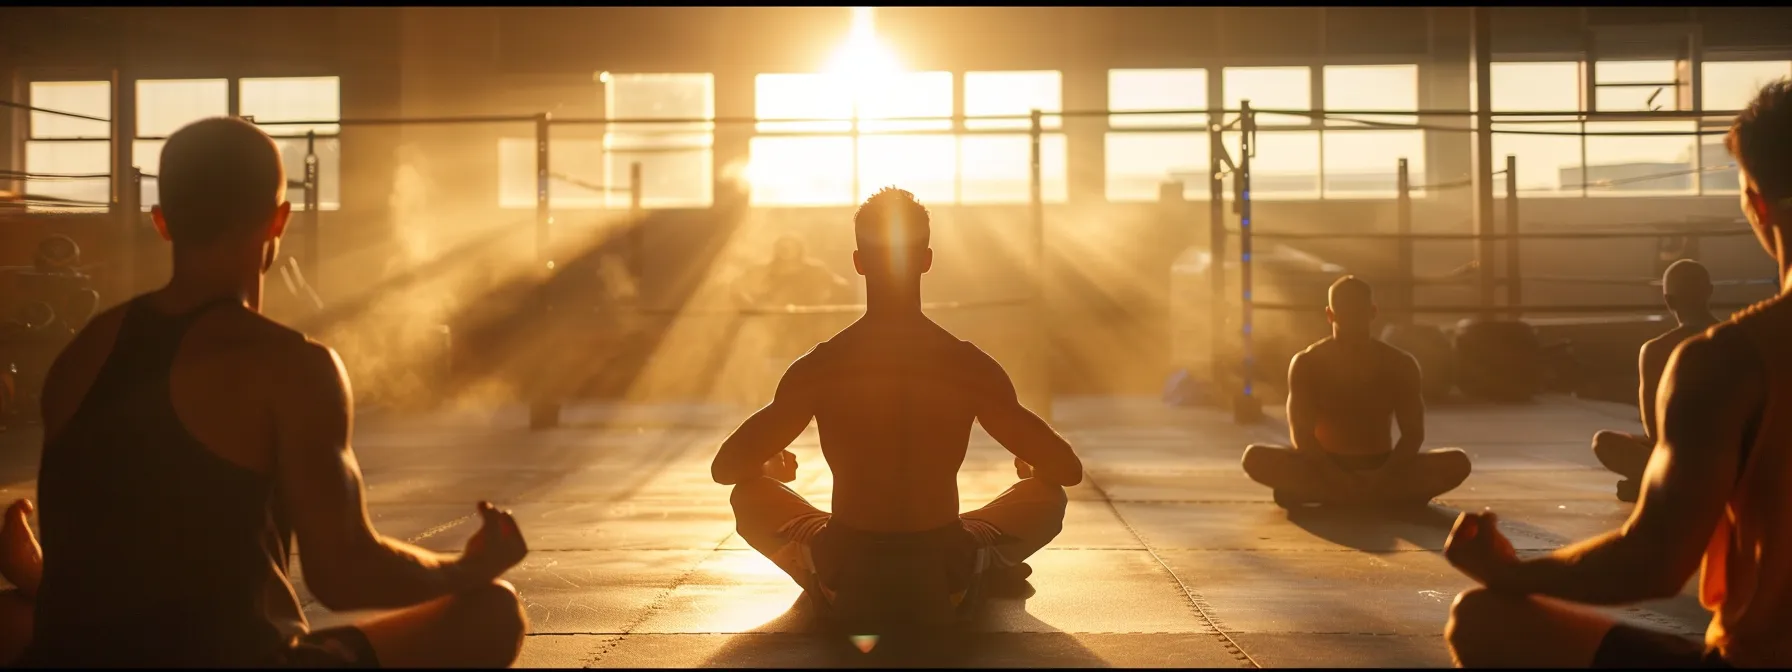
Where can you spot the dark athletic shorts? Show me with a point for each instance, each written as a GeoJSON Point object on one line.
{"type": "Point", "coordinates": [1360, 462]}
{"type": "Point", "coordinates": [344, 647]}
{"type": "Point", "coordinates": [1627, 646]}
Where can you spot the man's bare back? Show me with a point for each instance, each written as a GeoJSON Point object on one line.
{"type": "Point", "coordinates": [1354, 389]}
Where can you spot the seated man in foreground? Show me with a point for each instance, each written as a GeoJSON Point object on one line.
{"type": "Point", "coordinates": [1342, 392]}
{"type": "Point", "coordinates": [188, 440]}
{"type": "Point", "coordinates": [1715, 494]}
{"type": "Point", "coordinates": [1686, 286]}
{"type": "Point", "coordinates": [894, 396]}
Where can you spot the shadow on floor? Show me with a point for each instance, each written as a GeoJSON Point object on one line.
{"type": "Point", "coordinates": [1024, 642]}
{"type": "Point", "coordinates": [1376, 531]}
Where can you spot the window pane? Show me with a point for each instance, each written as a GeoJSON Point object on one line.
{"type": "Point", "coordinates": [165, 105]}
{"type": "Point", "coordinates": [1637, 99]}
{"type": "Point", "coordinates": [1013, 94]}
{"type": "Point", "coordinates": [1366, 164]}
{"type": "Point", "coordinates": [1548, 165]}
{"type": "Point", "coordinates": [1536, 87]}
{"type": "Point", "coordinates": [148, 156]}
{"type": "Point", "coordinates": [800, 171]}
{"type": "Point", "coordinates": [1373, 87]}
{"type": "Point", "coordinates": [93, 99]}
{"type": "Point", "coordinates": [1719, 176]}
{"type": "Point", "coordinates": [1634, 72]}
{"type": "Point", "coordinates": [70, 158]}
{"type": "Point", "coordinates": [925, 165]}
{"type": "Point", "coordinates": [907, 95]}
{"type": "Point", "coordinates": [676, 162]}
{"type": "Point", "coordinates": [1146, 90]}
{"type": "Point", "coordinates": [292, 99]}
{"type": "Point", "coordinates": [1137, 163]}
{"type": "Point", "coordinates": [1639, 165]}
{"type": "Point", "coordinates": [576, 173]}
{"type": "Point", "coordinates": [1270, 89]}
{"type": "Point", "coordinates": [802, 96]}
{"type": "Point", "coordinates": [1730, 85]}
{"type": "Point", "coordinates": [996, 168]}
{"type": "Point", "coordinates": [1286, 165]}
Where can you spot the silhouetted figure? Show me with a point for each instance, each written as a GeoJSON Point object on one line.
{"type": "Point", "coordinates": [1714, 494]}
{"type": "Point", "coordinates": [188, 440]}
{"type": "Point", "coordinates": [894, 396]}
{"type": "Point", "coordinates": [1686, 286]}
{"type": "Point", "coordinates": [1342, 393]}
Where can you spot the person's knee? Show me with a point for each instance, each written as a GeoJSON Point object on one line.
{"type": "Point", "coordinates": [1473, 615]}
{"type": "Point", "coordinates": [497, 610]}
{"type": "Point", "coordinates": [1256, 460]}
{"type": "Point", "coordinates": [1051, 495]}
{"type": "Point", "coordinates": [1454, 466]}
{"type": "Point", "coordinates": [749, 492]}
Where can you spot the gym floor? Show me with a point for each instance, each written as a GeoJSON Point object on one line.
{"type": "Point", "coordinates": [1169, 557]}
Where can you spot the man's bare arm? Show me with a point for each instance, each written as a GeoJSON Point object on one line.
{"type": "Point", "coordinates": [1022, 431]}
{"type": "Point", "coordinates": [347, 564]}
{"type": "Point", "coordinates": [769, 430]}
{"type": "Point", "coordinates": [1409, 409]}
{"type": "Point", "coordinates": [1302, 425]}
{"type": "Point", "coordinates": [1712, 389]}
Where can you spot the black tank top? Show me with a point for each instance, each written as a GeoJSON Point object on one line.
{"type": "Point", "coordinates": [157, 552]}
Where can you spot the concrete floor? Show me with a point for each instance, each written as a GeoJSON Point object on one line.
{"type": "Point", "coordinates": [1170, 557]}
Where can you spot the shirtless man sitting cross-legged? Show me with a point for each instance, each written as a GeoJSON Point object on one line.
{"type": "Point", "coordinates": [188, 440]}
{"type": "Point", "coordinates": [1715, 495]}
{"type": "Point", "coordinates": [1342, 393]}
{"type": "Point", "coordinates": [894, 396]}
{"type": "Point", "coordinates": [1687, 288]}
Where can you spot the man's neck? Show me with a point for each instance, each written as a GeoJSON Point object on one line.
{"type": "Point", "coordinates": [883, 306]}
{"type": "Point", "coordinates": [1351, 335]}
{"type": "Point", "coordinates": [1695, 318]}
{"type": "Point", "coordinates": [196, 281]}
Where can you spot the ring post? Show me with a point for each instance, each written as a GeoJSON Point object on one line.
{"type": "Point", "coordinates": [544, 409]}
{"type": "Point", "coordinates": [1514, 278]}
{"type": "Point", "coordinates": [126, 200]}
{"type": "Point", "coordinates": [1042, 319]}
{"type": "Point", "coordinates": [313, 203]}
{"type": "Point", "coordinates": [1403, 225]}
{"type": "Point", "coordinates": [1216, 247]}
{"type": "Point", "coordinates": [636, 232]}
{"type": "Point", "coordinates": [1245, 408]}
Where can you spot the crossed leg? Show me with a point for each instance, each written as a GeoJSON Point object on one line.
{"type": "Point", "coordinates": [1626, 455]}
{"type": "Point", "coordinates": [482, 627]}
{"type": "Point", "coordinates": [776, 521]}
{"type": "Point", "coordinates": [1306, 478]}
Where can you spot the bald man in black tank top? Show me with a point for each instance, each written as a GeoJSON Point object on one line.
{"type": "Point", "coordinates": [894, 396]}
{"type": "Point", "coordinates": [188, 440]}
{"type": "Point", "coordinates": [1342, 393]}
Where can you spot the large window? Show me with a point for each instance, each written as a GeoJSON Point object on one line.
{"type": "Point", "coordinates": [57, 145]}
{"type": "Point", "coordinates": [575, 168]}
{"type": "Point", "coordinates": [164, 106]}
{"type": "Point", "coordinates": [805, 155]}
{"type": "Point", "coordinates": [1138, 162]}
{"type": "Point", "coordinates": [1548, 165]}
{"type": "Point", "coordinates": [1286, 165]}
{"type": "Point", "coordinates": [1728, 86]}
{"type": "Point", "coordinates": [1365, 163]}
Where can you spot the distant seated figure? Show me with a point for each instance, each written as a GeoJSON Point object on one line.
{"type": "Point", "coordinates": [1342, 392]}
{"type": "Point", "coordinates": [894, 397]}
{"type": "Point", "coordinates": [1686, 286]}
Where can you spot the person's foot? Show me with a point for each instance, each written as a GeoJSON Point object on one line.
{"type": "Point", "coordinates": [1288, 501]}
{"type": "Point", "coordinates": [21, 559]}
{"type": "Point", "coordinates": [1007, 581]}
{"type": "Point", "coordinates": [1629, 490]}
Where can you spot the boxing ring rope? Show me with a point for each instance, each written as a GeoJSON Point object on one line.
{"type": "Point", "coordinates": [125, 199]}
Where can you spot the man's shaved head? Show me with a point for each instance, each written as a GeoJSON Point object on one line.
{"type": "Point", "coordinates": [1687, 279]}
{"type": "Point", "coordinates": [219, 176]}
{"type": "Point", "coordinates": [1350, 295]}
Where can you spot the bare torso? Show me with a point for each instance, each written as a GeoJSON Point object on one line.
{"type": "Point", "coordinates": [1354, 388]}
{"type": "Point", "coordinates": [894, 405]}
{"type": "Point", "coordinates": [1652, 362]}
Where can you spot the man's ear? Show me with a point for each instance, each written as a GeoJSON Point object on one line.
{"type": "Point", "coordinates": [155, 215]}
{"type": "Point", "coordinates": [857, 266]}
{"type": "Point", "coordinates": [1329, 315]}
{"type": "Point", "coordinates": [282, 215]}
{"type": "Point", "coordinates": [926, 259]}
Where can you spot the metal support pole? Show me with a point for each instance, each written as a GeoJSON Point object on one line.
{"type": "Point", "coordinates": [313, 218]}
{"type": "Point", "coordinates": [544, 408]}
{"type": "Point", "coordinates": [1216, 247]}
{"type": "Point", "coordinates": [1245, 408]}
{"type": "Point", "coordinates": [1514, 276]}
{"type": "Point", "coordinates": [126, 193]}
{"type": "Point", "coordinates": [1403, 225]}
{"type": "Point", "coordinates": [1481, 39]}
{"type": "Point", "coordinates": [636, 232]}
{"type": "Point", "coordinates": [1042, 316]}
